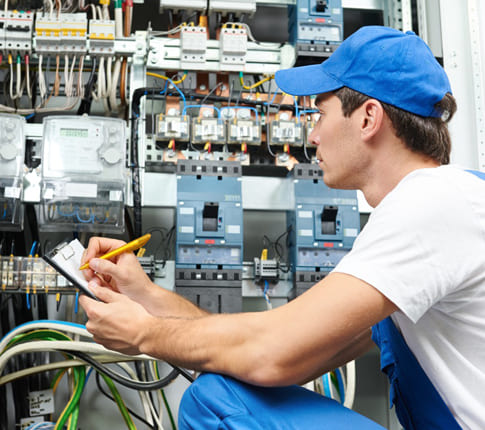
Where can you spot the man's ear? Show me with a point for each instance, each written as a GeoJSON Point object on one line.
{"type": "Point", "coordinates": [371, 118]}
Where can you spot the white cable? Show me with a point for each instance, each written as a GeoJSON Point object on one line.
{"type": "Point", "coordinates": [151, 366]}
{"type": "Point", "coordinates": [350, 392]}
{"type": "Point", "coordinates": [66, 75]}
{"type": "Point", "coordinates": [109, 63]}
{"type": "Point", "coordinates": [145, 401]}
{"type": "Point", "coordinates": [38, 325]}
{"type": "Point", "coordinates": [106, 12]}
{"type": "Point", "coordinates": [42, 87]}
{"type": "Point", "coordinates": [11, 81]}
{"type": "Point", "coordinates": [118, 22]}
{"type": "Point", "coordinates": [27, 77]}
{"type": "Point", "coordinates": [100, 14]}
{"type": "Point", "coordinates": [51, 8]}
{"type": "Point", "coordinates": [63, 345]}
{"type": "Point", "coordinates": [114, 84]}
{"type": "Point", "coordinates": [56, 365]}
{"type": "Point", "coordinates": [93, 10]}
{"type": "Point", "coordinates": [6, 6]}
{"type": "Point", "coordinates": [71, 77]}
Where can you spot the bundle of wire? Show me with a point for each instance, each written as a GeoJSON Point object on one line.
{"type": "Point", "coordinates": [50, 336]}
{"type": "Point", "coordinates": [339, 385]}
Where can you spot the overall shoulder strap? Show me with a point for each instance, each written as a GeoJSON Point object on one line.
{"type": "Point", "coordinates": [418, 405]}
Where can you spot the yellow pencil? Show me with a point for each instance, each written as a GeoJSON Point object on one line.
{"type": "Point", "coordinates": [130, 246]}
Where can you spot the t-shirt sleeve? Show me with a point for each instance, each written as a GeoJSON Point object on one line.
{"type": "Point", "coordinates": [411, 247]}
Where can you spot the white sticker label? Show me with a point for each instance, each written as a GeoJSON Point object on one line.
{"type": "Point", "coordinates": [233, 229]}
{"type": "Point", "coordinates": [305, 232]}
{"type": "Point", "coordinates": [115, 196]}
{"type": "Point", "coordinates": [350, 232]}
{"type": "Point", "coordinates": [74, 189]}
{"type": "Point", "coordinates": [12, 192]}
{"type": "Point", "coordinates": [186, 211]}
{"type": "Point", "coordinates": [41, 402]}
{"type": "Point", "coordinates": [186, 229]}
{"type": "Point", "coordinates": [305, 214]}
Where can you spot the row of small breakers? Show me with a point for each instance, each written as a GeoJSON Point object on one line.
{"type": "Point", "coordinates": [209, 244]}
{"type": "Point", "coordinates": [83, 174]}
{"type": "Point", "coordinates": [238, 125]}
{"type": "Point", "coordinates": [55, 34]}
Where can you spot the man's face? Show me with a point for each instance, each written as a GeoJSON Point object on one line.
{"type": "Point", "coordinates": [336, 140]}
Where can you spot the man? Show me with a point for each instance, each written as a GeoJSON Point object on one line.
{"type": "Point", "coordinates": [384, 105]}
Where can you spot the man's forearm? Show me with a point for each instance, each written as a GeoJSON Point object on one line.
{"type": "Point", "coordinates": [164, 303]}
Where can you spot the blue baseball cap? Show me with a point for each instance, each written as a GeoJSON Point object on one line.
{"type": "Point", "coordinates": [381, 62]}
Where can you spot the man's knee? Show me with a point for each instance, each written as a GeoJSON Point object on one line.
{"type": "Point", "coordinates": [208, 399]}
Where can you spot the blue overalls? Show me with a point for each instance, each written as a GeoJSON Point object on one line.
{"type": "Point", "coordinates": [222, 403]}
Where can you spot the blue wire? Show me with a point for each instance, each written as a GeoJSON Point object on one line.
{"type": "Point", "coordinates": [29, 116]}
{"type": "Point", "coordinates": [272, 100]}
{"type": "Point", "coordinates": [76, 302]}
{"type": "Point", "coordinates": [326, 386]}
{"type": "Point", "coordinates": [242, 107]}
{"type": "Point", "coordinates": [297, 113]}
{"type": "Point", "coordinates": [180, 92]}
{"type": "Point", "coordinates": [27, 297]}
{"type": "Point", "coordinates": [66, 323]}
{"type": "Point", "coordinates": [200, 106]}
{"type": "Point", "coordinates": [87, 377]}
{"type": "Point", "coordinates": [89, 220]}
{"type": "Point", "coordinates": [32, 250]}
{"type": "Point", "coordinates": [340, 385]}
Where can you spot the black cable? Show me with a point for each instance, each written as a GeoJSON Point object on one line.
{"type": "Point", "coordinates": [130, 383]}
{"type": "Point", "coordinates": [109, 396]}
{"type": "Point", "coordinates": [85, 105]}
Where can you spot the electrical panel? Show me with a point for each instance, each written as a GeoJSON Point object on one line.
{"type": "Point", "coordinates": [83, 174]}
{"type": "Point", "coordinates": [12, 150]}
{"type": "Point", "coordinates": [324, 225]}
{"type": "Point", "coordinates": [209, 242]}
{"type": "Point", "coordinates": [316, 26]}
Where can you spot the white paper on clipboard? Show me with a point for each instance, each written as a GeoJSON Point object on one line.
{"type": "Point", "coordinates": [66, 259]}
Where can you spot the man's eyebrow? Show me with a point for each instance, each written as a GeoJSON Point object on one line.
{"type": "Point", "coordinates": [320, 98]}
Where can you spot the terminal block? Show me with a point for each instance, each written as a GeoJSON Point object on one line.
{"type": "Point", "coordinates": [193, 44]}
{"type": "Point", "coordinates": [210, 130]}
{"type": "Point", "coordinates": [173, 127]}
{"type": "Point", "coordinates": [233, 48]}
{"type": "Point", "coordinates": [18, 31]}
{"type": "Point", "coordinates": [74, 28]}
{"type": "Point", "coordinates": [266, 270]}
{"type": "Point", "coordinates": [101, 37]}
{"type": "Point", "coordinates": [47, 34]}
{"type": "Point", "coordinates": [286, 132]}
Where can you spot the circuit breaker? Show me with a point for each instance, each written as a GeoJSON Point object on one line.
{"type": "Point", "coordinates": [12, 150]}
{"type": "Point", "coordinates": [83, 174]}
{"type": "Point", "coordinates": [209, 243]}
{"type": "Point", "coordinates": [324, 225]}
{"type": "Point", "coordinates": [316, 26]}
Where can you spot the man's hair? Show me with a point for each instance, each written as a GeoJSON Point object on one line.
{"type": "Point", "coordinates": [426, 135]}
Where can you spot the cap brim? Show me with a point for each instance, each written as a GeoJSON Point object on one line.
{"type": "Point", "coordinates": [306, 80]}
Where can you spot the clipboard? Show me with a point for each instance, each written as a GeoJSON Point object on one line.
{"type": "Point", "coordinates": [66, 259]}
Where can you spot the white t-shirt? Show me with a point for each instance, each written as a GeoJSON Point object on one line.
{"type": "Point", "coordinates": [423, 247]}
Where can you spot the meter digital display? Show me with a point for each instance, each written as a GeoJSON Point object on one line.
{"type": "Point", "coordinates": [73, 132]}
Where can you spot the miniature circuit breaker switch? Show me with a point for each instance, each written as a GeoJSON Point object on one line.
{"type": "Point", "coordinates": [12, 152]}
{"type": "Point", "coordinates": [323, 226]}
{"type": "Point", "coordinates": [316, 26]}
{"type": "Point", "coordinates": [209, 243]}
{"type": "Point", "coordinates": [83, 174]}
{"type": "Point", "coordinates": [18, 31]}
{"type": "Point", "coordinates": [101, 37]}
{"type": "Point", "coordinates": [193, 44]}
{"type": "Point", "coordinates": [233, 48]}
